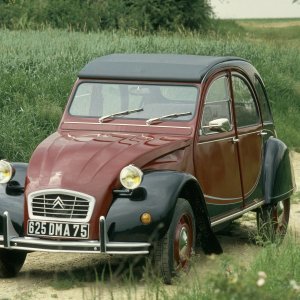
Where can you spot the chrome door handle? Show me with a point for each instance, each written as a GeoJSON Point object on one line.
{"type": "Point", "coordinates": [262, 133]}
{"type": "Point", "coordinates": [235, 140]}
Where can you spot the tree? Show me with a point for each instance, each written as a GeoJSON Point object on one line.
{"type": "Point", "coordinates": [149, 15]}
{"type": "Point", "coordinates": [167, 14]}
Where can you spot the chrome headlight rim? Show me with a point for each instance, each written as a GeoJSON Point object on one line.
{"type": "Point", "coordinates": [131, 177]}
{"type": "Point", "coordinates": [6, 171]}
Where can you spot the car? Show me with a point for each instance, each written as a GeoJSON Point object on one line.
{"type": "Point", "coordinates": [154, 153]}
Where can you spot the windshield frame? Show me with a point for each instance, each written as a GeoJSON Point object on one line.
{"type": "Point", "coordinates": [135, 83]}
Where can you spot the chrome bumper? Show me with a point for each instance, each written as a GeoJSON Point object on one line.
{"type": "Point", "coordinates": [11, 240]}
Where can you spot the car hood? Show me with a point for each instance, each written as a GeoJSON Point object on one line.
{"type": "Point", "coordinates": [90, 163]}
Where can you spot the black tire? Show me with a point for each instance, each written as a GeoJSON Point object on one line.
{"type": "Point", "coordinates": [173, 252]}
{"type": "Point", "coordinates": [273, 220]}
{"type": "Point", "coordinates": [11, 262]}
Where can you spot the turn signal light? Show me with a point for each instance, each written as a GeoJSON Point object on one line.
{"type": "Point", "coordinates": [146, 218]}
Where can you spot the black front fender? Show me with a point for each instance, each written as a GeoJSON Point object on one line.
{"type": "Point", "coordinates": [12, 198]}
{"type": "Point", "coordinates": [157, 195]}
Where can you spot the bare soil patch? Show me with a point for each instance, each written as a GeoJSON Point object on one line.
{"type": "Point", "coordinates": [43, 271]}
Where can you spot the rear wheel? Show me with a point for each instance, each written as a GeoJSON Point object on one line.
{"type": "Point", "coordinates": [11, 262]}
{"type": "Point", "coordinates": [272, 221]}
{"type": "Point", "coordinates": [173, 252]}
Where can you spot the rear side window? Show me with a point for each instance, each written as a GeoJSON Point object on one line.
{"type": "Point", "coordinates": [263, 101]}
{"type": "Point", "coordinates": [244, 104]}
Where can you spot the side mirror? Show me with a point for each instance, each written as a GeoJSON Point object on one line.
{"type": "Point", "coordinates": [219, 125]}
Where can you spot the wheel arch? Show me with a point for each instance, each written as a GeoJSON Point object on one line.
{"type": "Point", "coordinates": [192, 192]}
{"type": "Point", "coordinates": [278, 177]}
{"type": "Point", "coordinates": [205, 237]}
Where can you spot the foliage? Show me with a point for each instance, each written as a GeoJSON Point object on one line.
{"type": "Point", "coordinates": [87, 15]}
{"type": "Point", "coordinates": [274, 274]}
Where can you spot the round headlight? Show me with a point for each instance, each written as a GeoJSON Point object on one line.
{"type": "Point", "coordinates": [131, 177]}
{"type": "Point", "coordinates": [6, 171]}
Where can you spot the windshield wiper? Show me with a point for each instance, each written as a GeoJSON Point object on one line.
{"type": "Point", "coordinates": [121, 113]}
{"type": "Point", "coordinates": [176, 115]}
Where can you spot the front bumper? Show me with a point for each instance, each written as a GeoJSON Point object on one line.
{"type": "Point", "coordinates": [11, 240]}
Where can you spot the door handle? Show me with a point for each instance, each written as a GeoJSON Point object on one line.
{"type": "Point", "coordinates": [235, 140]}
{"type": "Point", "coordinates": [262, 133]}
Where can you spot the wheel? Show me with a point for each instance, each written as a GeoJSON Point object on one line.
{"type": "Point", "coordinates": [272, 221]}
{"type": "Point", "coordinates": [173, 252]}
{"type": "Point", "coordinates": [11, 262]}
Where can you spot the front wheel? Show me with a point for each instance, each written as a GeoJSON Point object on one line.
{"type": "Point", "coordinates": [173, 252]}
{"type": "Point", "coordinates": [11, 262]}
{"type": "Point", "coordinates": [272, 221]}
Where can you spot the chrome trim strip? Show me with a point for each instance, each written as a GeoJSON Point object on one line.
{"type": "Point", "coordinates": [11, 240]}
{"type": "Point", "coordinates": [216, 140]}
{"type": "Point", "coordinates": [8, 229]}
{"type": "Point", "coordinates": [217, 198]}
{"type": "Point", "coordinates": [75, 247]}
{"type": "Point", "coordinates": [284, 194]}
{"type": "Point", "coordinates": [228, 138]}
{"type": "Point", "coordinates": [132, 125]}
{"type": "Point", "coordinates": [236, 215]}
{"type": "Point", "coordinates": [89, 198]}
{"type": "Point", "coordinates": [102, 230]}
{"type": "Point", "coordinates": [248, 133]}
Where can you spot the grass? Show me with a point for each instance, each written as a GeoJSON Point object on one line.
{"type": "Point", "coordinates": [275, 30]}
{"type": "Point", "coordinates": [39, 68]}
{"type": "Point", "coordinates": [273, 274]}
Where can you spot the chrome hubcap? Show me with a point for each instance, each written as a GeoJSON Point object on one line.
{"type": "Point", "coordinates": [183, 243]}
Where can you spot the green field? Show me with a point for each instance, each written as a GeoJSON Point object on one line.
{"type": "Point", "coordinates": [38, 69]}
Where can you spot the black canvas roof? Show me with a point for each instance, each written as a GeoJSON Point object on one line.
{"type": "Point", "coordinates": [165, 67]}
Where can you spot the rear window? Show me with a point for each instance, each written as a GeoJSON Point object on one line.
{"type": "Point", "coordinates": [263, 101]}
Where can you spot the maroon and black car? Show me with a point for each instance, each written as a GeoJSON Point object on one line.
{"type": "Point", "coordinates": [153, 154]}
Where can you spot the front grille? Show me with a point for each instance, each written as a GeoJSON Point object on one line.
{"type": "Point", "coordinates": [61, 205]}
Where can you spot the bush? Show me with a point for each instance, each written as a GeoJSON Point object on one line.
{"type": "Point", "coordinates": [91, 15]}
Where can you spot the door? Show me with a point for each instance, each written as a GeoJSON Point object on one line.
{"type": "Point", "coordinates": [216, 153]}
{"type": "Point", "coordinates": [249, 133]}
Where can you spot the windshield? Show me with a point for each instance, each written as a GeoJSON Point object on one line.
{"type": "Point", "coordinates": [144, 101]}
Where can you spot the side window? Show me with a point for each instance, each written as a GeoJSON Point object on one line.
{"type": "Point", "coordinates": [217, 104]}
{"type": "Point", "coordinates": [263, 102]}
{"type": "Point", "coordinates": [245, 109]}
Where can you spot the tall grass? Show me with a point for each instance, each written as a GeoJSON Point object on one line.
{"type": "Point", "coordinates": [38, 69]}
{"type": "Point", "coordinates": [274, 274]}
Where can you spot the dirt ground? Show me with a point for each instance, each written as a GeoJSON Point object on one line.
{"type": "Point", "coordinates": [44, 273]}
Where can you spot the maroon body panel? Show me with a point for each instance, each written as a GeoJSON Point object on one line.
{"type": "Point", "coordinates": [90, 163]}
{"type": "Point", "coordinates": [219, 156]}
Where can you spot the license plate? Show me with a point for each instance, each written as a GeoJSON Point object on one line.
{"type": "Point", "coordinates": [57, 229]}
